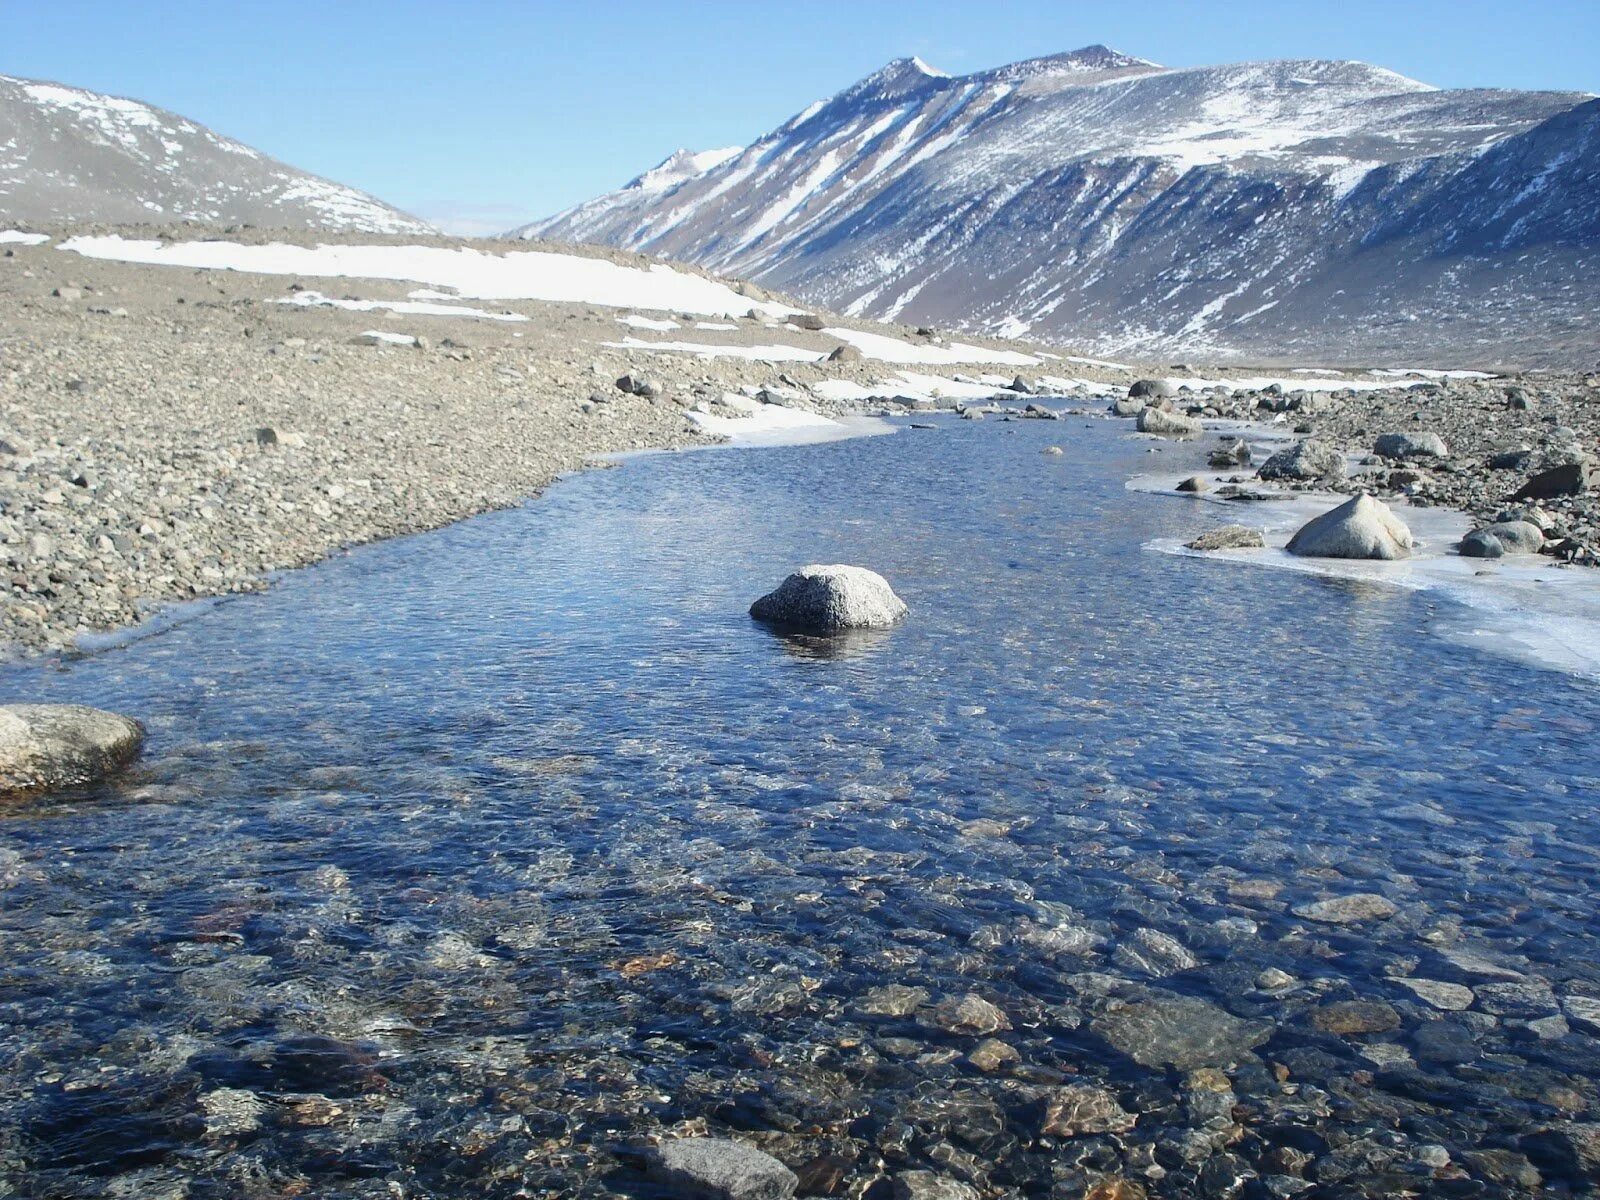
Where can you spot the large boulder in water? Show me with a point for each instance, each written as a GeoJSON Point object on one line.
{"type": "Point", "coordinates": [44, 747]}
{"type": "Point", "coordinates": [1153, 420]}
{"type": "Point", "coordinates": [1359, 528]}
{"type": "Point", "coordinates": [1307, 460]}
{"type": "Point", "coordinates": [826, 599]}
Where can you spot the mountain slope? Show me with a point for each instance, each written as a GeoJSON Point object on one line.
{"type": "Point", "coordinates": [1277, 209]}
{"type": "Point", "coordinates": [68, 155]}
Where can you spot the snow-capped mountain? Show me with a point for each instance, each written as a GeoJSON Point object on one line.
{"type": "Point", "coordinates": [1277, 209]}
{"type": "Point", "coordinates": [68, 155]}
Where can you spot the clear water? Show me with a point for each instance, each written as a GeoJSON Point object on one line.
{"type": "Point", "coordinates": [464, 864]}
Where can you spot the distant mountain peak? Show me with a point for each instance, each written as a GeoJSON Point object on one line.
{"type": "Point", "coordinates": [76, 155]}
{"type": "Point", "coordinates": [1096, 196]}
{"type": "Point", "coordinates": [680, 165]}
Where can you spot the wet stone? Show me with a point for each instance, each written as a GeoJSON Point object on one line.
{"type": "Point", "coordinates": [970, 1014]}
{"type": "Point", "coordinates": [1084, 1108]}
{"type": "Point", "coordinates": [1348, 910]}
{"type": "Point", "coordinates": [1180, 1031]}
{"type": "Point", "coordinates": [713, 1169]}
{"type": "Point", "coordinates": [1449, 997]}
{"type": "Point", "coordinates": [1356, 1016]}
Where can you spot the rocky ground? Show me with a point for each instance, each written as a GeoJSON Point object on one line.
{"type": "Point", "coordinates": [1470, 444]}
{"type": "Point", "coordinates": [167, 433]}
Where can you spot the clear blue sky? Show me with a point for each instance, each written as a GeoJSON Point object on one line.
{"type": "Point", "coordinates": [481, 113]}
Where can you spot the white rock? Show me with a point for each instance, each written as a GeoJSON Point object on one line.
{"type": "Point", "coordinates": [1359, 528]}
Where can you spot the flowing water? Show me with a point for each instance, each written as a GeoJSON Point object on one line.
{"type": "Point", "coordinates": [466, 864]}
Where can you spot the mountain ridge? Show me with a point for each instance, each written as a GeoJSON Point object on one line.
{"type": "Point", "coordinates": [71, 155]}
{"type": "Point", "coordinates": [1104, 200]}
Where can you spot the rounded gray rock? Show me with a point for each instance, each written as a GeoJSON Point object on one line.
{"type": "Point", "coordinates": [826, 599]}
{"type": "Point", "coordinates": [1359, 528]}
{"type": "Point", "coordinates": [1306, 460]}
{"type": "Point", "coordinates": [48, 746]}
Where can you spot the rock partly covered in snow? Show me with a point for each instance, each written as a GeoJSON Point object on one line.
{"type": "Point", "coordinates": [1359, 528]}
{"type": "Point", "coordinates": [714, 1169]}
{"type": "Point", "coordinates": [48, 746]}
{"type": "Point", "coordinates": [824, 599]}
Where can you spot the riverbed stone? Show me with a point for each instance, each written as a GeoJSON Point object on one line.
{"type": "Point", "coordinates": [1348, 910]}
{"type": "Point", "coordinates": [1362, 528]}
{"type": "Point", "coordinates": [716, 1169]}
{"type": "Point", "coordinates": [1083, 1108]}
{"type": "Point", "coordinates": [826, 599]}
{"type": "Point", "coordinates": [1356, 1016]}
{"type": "Point", "coordinates": [1180, 1031]}
{"type": "Point", "coordinates": [44, 747]}
{"type": "Point", "coordinates": [1448, 997]}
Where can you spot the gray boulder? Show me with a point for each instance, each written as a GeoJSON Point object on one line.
{"type": "Point", "coordinates": [1406, 446]}
{"type": "Point", "coordinates": [844, 353]}
{"type": "Point", "coordinates": [44, 747]}
{"type": "Point", "coordinates": [1195, 484]}
{"type": "Point", "coordinates": [825, 599]}
{"type": "Point", "coordinates": [713, 1169]}
{"type": "Point", "coordinates": [1513, 537]}
{"type": "Point", "coordinates": [1153, 420]}
{"type": "Point", "coordinates": [1151, 389]}
{"type": "Point", "coordinates": [808, 321]}
{"type": "Point", "coordinates": [1479, 544]}
{"type": "Point", "coordinates": [1127, 408]}
{"type": "Point", "coordinates": [1021, 385]}
{"type": "Point", "coordinates": [1359, 528]}
{"type": "Point", "coordinates": [1307, 460]}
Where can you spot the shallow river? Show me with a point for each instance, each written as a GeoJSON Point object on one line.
{"type": "Point", "coordinates": [464, 864]}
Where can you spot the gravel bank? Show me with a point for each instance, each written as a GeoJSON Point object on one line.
{"type": "Point", "coordinates": [167, 433]}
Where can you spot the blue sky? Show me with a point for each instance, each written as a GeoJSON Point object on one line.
{"type": "Point", "coordinates": [481, 113]}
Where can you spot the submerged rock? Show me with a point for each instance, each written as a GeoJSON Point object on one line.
{"type": "Point", "coordinates": [49, 746]}
{"type": "Point", "coordinates": [1346, 1017]}
{"type": "Point", "coordinates": [1083, 1108]}
{"type": "Point", "coordinates": [1229, 537]}
{"type": "Point", "coordinates": [1154, 420]}
{"type": "Point", "coordinates": [1180, 1031]}
{"type": "Point", "coordinates": [824, 599]}
{"type": "Point", "coordinates": [1307, 460]}
{"type": "Point", "coordinates": [714, 1169]}
{"type": "Point", "coordinates": [1359, 528]}
{"type": "Point", "coordinates": [1347, 910]}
